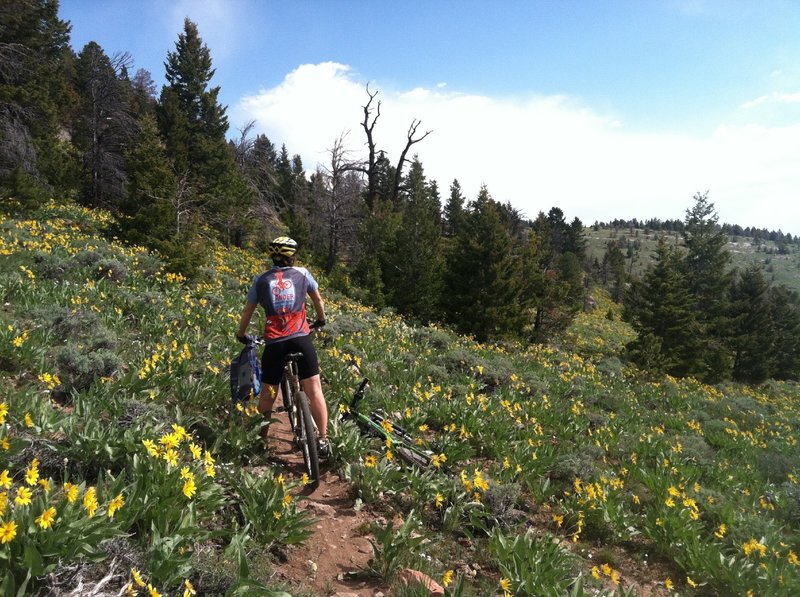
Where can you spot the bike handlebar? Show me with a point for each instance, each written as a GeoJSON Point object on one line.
{"type": "Point", "coordinates": [358, 395]}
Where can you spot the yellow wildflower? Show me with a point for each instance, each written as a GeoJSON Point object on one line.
{"type": "Point", "coordinates": [71, 491]}
{"type": "Point", "coordinates": [5, 479]}
{"type": "Point", "coordinates": [46, 519]}
{"type": "Point", "coordinates": [90, 501]}
{"type": "Point", "coordinates": [370, 461]}
{"type": "Point", "coordinates": [28, 420]}
{"type": "Point", "coordinates": [137, 577]}
{"type": "Point", "coordinates": [189, 488]}
{"type": "Point", "coordinates": [171, 456]}
{"type": "Point", "coordinates": [752, 546]}
{"type": "Point", "coordinates": [447, 578]}
{"type": "Point", "coordinates": [115, 505]}
{"type": "Point", "coordinates": [690, 582]}
{"type": "Point", "coordinates": [32, 473]}
{"type": "Point", "coordinates": [439, 500]}
{"type": "Point", "coordinates": [23, 497]}
{"type": "Point", "coordinates": [8, 530]}
{"type": "Point", "coordinates": [188, 590]}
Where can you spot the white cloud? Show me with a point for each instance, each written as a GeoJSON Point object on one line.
{"type": "Point", "coordinates": [542, 151]}
{"type": "Point", "coordinates": [777, 97]}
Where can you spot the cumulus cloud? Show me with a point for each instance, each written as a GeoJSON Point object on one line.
{"type": "Point", "coordinates": [541, 151]}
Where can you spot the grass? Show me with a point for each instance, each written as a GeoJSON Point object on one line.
{"type": "Point", "coordinates": [561, 459]}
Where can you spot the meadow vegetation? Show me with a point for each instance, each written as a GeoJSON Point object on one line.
{"type": "Point", "coordinates": [558, 468]}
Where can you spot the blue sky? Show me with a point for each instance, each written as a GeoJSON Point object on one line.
{"type": "Point", "coordinates": [604, 108]}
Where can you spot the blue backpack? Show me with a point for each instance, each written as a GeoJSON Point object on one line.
{"type": "Point", "coordinates": [245, 375]}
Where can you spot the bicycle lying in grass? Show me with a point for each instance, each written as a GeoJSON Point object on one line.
{"type": "Point", "coordinates": [378, 424]}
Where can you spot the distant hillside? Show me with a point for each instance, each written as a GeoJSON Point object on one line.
{"type": "Point", "coordinates": [782, 265]}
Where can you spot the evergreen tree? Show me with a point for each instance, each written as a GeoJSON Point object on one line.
{"type": "Point", "coordinates": [708, 278]}
{"type": "Point", "coordinates": [35, 99]}
{"type": "Point", "coordinates": [661, 309]}
{"type": "Point", "coordinates": [194, 125]}
{"type": "Point", "coordinates": [785, 325]}
{"type": "Point", "coordinates": [104, 125]}
{"type": "Point", "coordinates": [613, 270]}
{"type": "Point", "coordinates": [413, 263]}
{"type": "Point", "coordinates": [483, 286]}
{"type": "Point", "coordinates": [150, 214]}
{"type": "Point", "coordinates": [454, 210]}
{"type": "Point", "coordinates": [751, 336]}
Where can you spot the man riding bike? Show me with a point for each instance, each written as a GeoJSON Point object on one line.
{"type": "Point", "coordinates": [282, 291]}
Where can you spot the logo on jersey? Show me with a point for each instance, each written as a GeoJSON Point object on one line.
{"type": "Point", "coordinates": [282, 293]}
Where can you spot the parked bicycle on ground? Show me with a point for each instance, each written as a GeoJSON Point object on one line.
{"type": "Point", "coordinates": [378, 424]}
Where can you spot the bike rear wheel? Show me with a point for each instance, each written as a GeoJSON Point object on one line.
{"type": "Point", "coordinates": [413, 457]}
{"type": "Point", "coordinates": [289, 404]}
{"type": "Point", "coordinates": [308, 439]}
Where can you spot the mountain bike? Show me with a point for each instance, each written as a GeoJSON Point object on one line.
{"type": "Point", "coordinates": [378, 424]}
{"type": "Point", "coordinates": [298, 409]}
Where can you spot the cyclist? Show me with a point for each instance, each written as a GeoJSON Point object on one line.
{"type": "Point", "coordinates": [282, 291]}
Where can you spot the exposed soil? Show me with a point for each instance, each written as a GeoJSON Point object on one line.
{"type": "Point", "coordinates": [333, 559]}
{"type": "Point", "coordinates": [337, 550]}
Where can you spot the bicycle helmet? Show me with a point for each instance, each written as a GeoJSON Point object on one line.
{"type": "Point", "coordinates": [283, 246]}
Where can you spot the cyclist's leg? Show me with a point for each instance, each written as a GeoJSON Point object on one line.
{"type": "Point", "coordinates": [308, 368]}
{"type": "Point", "coordinates": [312, 386]}
{"type": "Point", "coordinates": [271, 371]}
{"type": "Point", "coordinates": [267, 398]}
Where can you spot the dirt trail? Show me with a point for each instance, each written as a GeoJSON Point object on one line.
{"type": "Point", "coordinates": [337, 544]}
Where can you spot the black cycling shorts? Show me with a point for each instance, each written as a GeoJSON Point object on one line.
{"type": "Point", "coordinates": [272, 359]}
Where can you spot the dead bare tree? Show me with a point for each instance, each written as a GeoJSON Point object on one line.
{"type": "Point", "coordinates": [338, 198]}
{"type": "Point", "coordinates": [398, 173]}
{"type": "Point", "coordinates": [369, 127]}
{"type": "Point", "coordinates": [370, 169]}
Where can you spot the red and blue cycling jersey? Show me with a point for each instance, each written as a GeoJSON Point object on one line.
{"type": "Point", "coordinates": [282, 292]}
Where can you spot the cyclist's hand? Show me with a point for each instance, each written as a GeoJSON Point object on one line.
{"type": "Point", "coordinates": [318, 323]}
{"type": "Point", "coordinates": [246, 339]}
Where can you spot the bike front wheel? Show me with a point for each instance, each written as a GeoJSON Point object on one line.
{"type": "Point", "coordinates": [413, 457]}
{"type": "Point", "coordinates": [308, 439]}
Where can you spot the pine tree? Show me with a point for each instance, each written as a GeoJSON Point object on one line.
{"type": "Point", "coordinates": [454, 210]}
{"type": "Point", "coordinates": [751, 333]}
{"type": "Point", "coordinates": [483, 287]}
{"type": "Point", "coordinates": [613, 270]}
{"type": "Point", "coordinates": [661, 309]}
{"type": "Point", "coordinates": [708, 278]}
{"type": "Point", "coordinates": [150, 213]}
{"type": "Point", "coordinates": [35, 98]}
{"type": "Point", "coordinates": [412, 268]}
{"type": "Point", "coordinates": [194, 124]}
{"type": "Point", "coordinates": [785, 324]}
{"type": "Point", "coordinates": [104, 125]}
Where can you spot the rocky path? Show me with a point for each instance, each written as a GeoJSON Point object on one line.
{"type": "Point", "coordinates": [337, 545]}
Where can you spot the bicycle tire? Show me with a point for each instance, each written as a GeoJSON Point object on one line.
{"type": "Point", "coordinates": [308, 439]}
{"type": "Point", "coordinates": [288, 403]}
{"type": "Point", "coordinates": [412, 457]}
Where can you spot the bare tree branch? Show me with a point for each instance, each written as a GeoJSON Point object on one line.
{"type": "Point", "coordinates": [398, 174]}
{"type": "Point", "coordinates": [372, 184]}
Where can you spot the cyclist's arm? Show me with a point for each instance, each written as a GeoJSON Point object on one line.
{"type": "Point", "coordinates": [244, 321]}
{"type": "Point", "coordinates": [319, 307]}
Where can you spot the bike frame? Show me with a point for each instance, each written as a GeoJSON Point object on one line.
{"type": "Point", "coordinates": [373, 424]}
{"type": "Point", "coordinates": [301, 421]}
